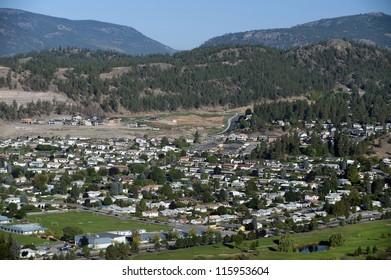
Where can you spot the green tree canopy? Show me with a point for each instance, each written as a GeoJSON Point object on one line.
{"type": "Point", "coordinates": [286, 244]}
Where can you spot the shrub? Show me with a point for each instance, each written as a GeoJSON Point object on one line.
{"type": "Point", "coordinates": [336, 240]}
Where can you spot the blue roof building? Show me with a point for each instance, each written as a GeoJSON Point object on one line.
{"type": "Point", "coordinates": [25, 229]}
{"type": "Point", "coordinates": [5, 220]}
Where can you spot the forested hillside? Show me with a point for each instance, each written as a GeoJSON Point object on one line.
{"type": "Point", "coordinates": [371, 28]}
{"type": "Point", "coordinates": [211, 76]}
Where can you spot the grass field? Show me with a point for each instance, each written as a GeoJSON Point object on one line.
{"type": "Point", "coordinates": [26, 239]}
{"type": "Point", "coordinates": [375, 233]}
{"type": "Point", "coordinates": [90, 222]}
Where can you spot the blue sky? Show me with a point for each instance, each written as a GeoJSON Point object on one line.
{"type": "Point", "coordinates": [185, 24]}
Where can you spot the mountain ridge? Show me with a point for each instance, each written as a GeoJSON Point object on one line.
{"type": "Point", "coordinates": [371, 28]}
{"type": "Point", "coordinates": [22, 32]}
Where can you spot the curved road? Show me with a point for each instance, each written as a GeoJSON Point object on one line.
{"type": "Point", "coordinates": [230, 124]}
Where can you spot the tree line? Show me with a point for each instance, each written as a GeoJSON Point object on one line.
{"type": "Point", "coordinates": [374, 107]}
{"type": "Point", "coordinates": [12, 112]}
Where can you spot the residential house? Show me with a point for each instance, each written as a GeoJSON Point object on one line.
{"type": "Point", "coordinates": [214, 219]}
{"type": "Point", "coordinates": [227, 217]}
{"type": "Point", "coordinates": [61, 160]}
{"type": "Point", "coordinates": [5, 220]}
{"type": "Point", "coordinates": [242, 137]}
{"type": "Point", "coordinates": [55, 165]}
{"type": "Point", "coordinates": [200, 208]}
{"type": "Point", "coordinates": [169, 212]}
{"type": "Point", "coordinates": [36, 164]}
{"type": "Point", "coordinates": [121, 210]}
{"type": "Point", "coordinates": [94, 193]}
{"type": "Point", "coordinates": [150, 214]}
{"type": "Point", "coordinates": [311, 198]}
{"type": "Point", "coordinates": [12, 200]}
{"type": "Point", "coordinates": [261, 212]}
{"type": "Point", "coordinates": [198, 221]}
{"type": "Point", "coordinates": [332, 198]}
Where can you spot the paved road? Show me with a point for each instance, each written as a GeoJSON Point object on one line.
{"type": "Point", "coordinates": [231, 124]}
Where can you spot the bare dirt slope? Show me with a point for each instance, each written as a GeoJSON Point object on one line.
{"type": "Point", "coordinates": [382, 147]}
{"type": "Point", "coordinates": [24, 97]}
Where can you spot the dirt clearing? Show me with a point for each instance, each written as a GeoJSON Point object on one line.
{"type": "Point", "coordinates": [24, 97]}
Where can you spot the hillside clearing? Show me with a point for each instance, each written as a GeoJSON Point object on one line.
{"type": "Point", "coordinates": [24, 97]}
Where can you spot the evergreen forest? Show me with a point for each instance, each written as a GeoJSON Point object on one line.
{"type": "Point", "coordinates": [338, 80]}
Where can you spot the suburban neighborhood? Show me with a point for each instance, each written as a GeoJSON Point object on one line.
{"type": "Point", "coordinates": [194, 187]}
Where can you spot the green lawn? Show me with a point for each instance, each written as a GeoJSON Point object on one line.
{"type": "Point", "coordinates": [363, 234]}
{"type": "Point", "coordinates": [214, 252]}
{"type": "Point", "coordinates": [26, 239]}
{"type": "Point", "coordinates": [90, 222]}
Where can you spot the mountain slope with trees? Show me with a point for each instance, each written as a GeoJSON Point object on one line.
{"type": "Point", "coordinates": [210, 76]}
{"type": "Point", "coordinates": [371, 28]}
{"type": "Point", "coordinates": [23, 32]}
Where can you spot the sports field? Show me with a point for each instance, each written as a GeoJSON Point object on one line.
{"type": "Point", "coordinates": [90, 222]}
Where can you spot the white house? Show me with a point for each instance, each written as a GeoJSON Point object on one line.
{"type": "Point", "coordinates": [55, 165]}
{"type": "Point", "coordinates": [311, 198]}
{"type": "Point", "coordinates": [37, 164]}
{"type": "Point", "coordinates": [12, 200]}
{"type": "Point", "coordinates": [232, 137]}
{"type": "Point", "coordinates": [241, 137]}
{"type": "Point", "coordinates": [200, 208]}
{"type": "Point", "coordinates": [227, 217]}
{"type": "Point", "coordinates": [168, 148]}
{"type": "Point", "coordinates": [237, 184]}
{"type": "Point", "coordinates": [332, 198]}
{"type": "Point", "coordinates": [261, 212]}
{"type": "Point", "coordinates": [152, 205]}
{"type": "Point", "coordinates": [198, 221]}
{"type": "Point", "coordinates": [93, 193]}
{"type": "Point", "coordinates": [236, 193]}
{"type": "Point", "coordinates": [150, 214]}
{"type": "Point", "coordinates": [169, 212]}
{"type": "Point", "coordinates": [214, 219]}
{"type": "Point", "coordinates": [121, 210]}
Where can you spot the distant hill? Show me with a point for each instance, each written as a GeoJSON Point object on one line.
{"type": "Point", "coordinates": [22, 32]}
{"type": "Point", "coordinates": [372, 28]}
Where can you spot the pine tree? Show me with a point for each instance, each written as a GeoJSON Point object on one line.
{"type": "Point", "coordinates": [14, 248]}
{"type": "Point", "coordinates": [23, 198]}
{"type": "Point", "coordinates": [197, 137]}
{"type": "Point", "coordinates": [336, 240]}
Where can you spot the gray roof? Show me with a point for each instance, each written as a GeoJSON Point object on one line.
{"type": "Point", "coordinates": [4, 218]}
{"type": "Point", "coordinates": [98, 238]}
{"type": "Point", "coordinates": [24, 227]}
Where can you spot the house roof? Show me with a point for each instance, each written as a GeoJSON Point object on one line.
{"type": "Point", "coordinates": [99, 238]}
{"type": "Point", "coordinates": [4, 218]}
{"type": "Point", "coordinates": [24, 227]}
